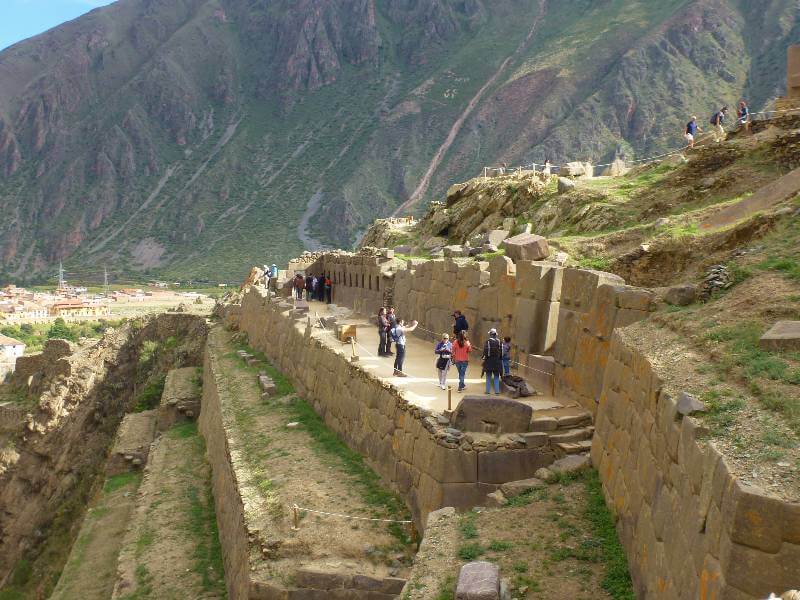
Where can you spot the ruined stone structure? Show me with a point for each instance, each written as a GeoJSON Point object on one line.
{"type": "Point", "coordinates": [792, 98]}
{"type": "Point", "coordinates": [690, 529]}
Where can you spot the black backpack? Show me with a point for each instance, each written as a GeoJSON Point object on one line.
{"type": "Point", "coordinates": [493, 348]}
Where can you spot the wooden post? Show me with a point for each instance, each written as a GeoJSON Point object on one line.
{"type": "Point", "coordinates": [449, 398]}
{"type": "Point", "coordinates": [295, 518]}
{"type": "Point", "coordinates": [354, 357]}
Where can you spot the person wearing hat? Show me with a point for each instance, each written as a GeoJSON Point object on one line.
{"type": "Point", "coordinates": [691, 132]}
{"type": "Point", "coordinates": [493, 361]}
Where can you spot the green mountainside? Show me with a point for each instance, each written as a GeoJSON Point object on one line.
{"type": "Point", "coordinates": [192, 138]}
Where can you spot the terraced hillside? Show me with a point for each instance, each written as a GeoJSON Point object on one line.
{"type": "Point", "coordinates": [154, 136]}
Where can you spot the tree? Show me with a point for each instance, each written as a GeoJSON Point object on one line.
{"type": "Point", "coordinates": [60, 330]}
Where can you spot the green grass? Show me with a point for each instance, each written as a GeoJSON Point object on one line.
{"type": "Point", "coordinates": [207, 554]}
{"type": "Point", "coordinates": [617, 579]}
{"type": "Point", "coordinates": [785, 265]}
{"type": "Point", "coordinates": [35, 335]}
{"type": "Point", "coordinates": [116, 482]}
{"type": "Point", "coordinates": [596, 263]}
{"type": "Point", "coordinates": [499, 546]}
{"type": "Point", "coordinates": [150, 396]}
{"type": "Point", "coordinates": [470, 551]}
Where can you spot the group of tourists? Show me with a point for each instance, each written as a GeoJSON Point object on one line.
{"type": "Point", "coordinates": [496, 357]}
{"type": "Point", "coordinates": [718, 124]}
{"type": "Point", "coordinates": [318, 288]}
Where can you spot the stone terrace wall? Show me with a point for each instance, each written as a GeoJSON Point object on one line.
{"type": "Point", "coordinates": [690, 529]}
{"type": "Point", "coordinates": [360, 281]}
{"type": "Point", "coordinates": [404, 444]}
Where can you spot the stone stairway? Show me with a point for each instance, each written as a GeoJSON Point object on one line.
{"type": "Point", "coordinates": [568, 426]}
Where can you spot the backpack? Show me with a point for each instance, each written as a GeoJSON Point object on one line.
{"type": "Point", "coordinates": [393, 333]}
{"type": "Point", "coordinates": [494, 350]}
{"type": "Point", "coordinates": [714, 118]}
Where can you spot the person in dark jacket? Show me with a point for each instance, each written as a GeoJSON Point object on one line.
{"type": "Point", "coordinates": [328, 290]}
{"type": "Point", "coordinates": [383, 332]}
{"type": "Point", "coordinates": [309, 288]}
{"type": "Point", "coordinates": [459, 323]}
{"type": "Point", "coordinates": [493, 361]}
{"type": "Point", "coordinates": [390, 316]}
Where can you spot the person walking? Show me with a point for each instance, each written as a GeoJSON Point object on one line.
{"type": "Point", "coordinates": [398, 334]}
{"type": "Point", "coordinates": [383, 331]}
{"type": "Point", "coordinates": [309, 287]}
{"type": "Point", "coordinates": [718, 121]}
{"type": "Point", "coordinates": [744, 115]}
{"type": "Point", "coordinates": [390, 316]}
{"type": "Point", "coordinates": [328, 290]}
{"type": "Point", "coordinates": [444, 350]}
{"type": "Point", "coordinates": [299, 286]}
{"type": "Point", "coordinates": [506, 356]}
{"type": "Point", "coordinates": [461, 350]}
{"type": "Point", "coordinates": [692, 128]}
{"type": "Point", "coordinates": [493, 361]}
{"type": "Point", "coordinates": [459, 323]}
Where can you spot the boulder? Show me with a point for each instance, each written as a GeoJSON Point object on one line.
{"type": "Point", "coordinates": [784, 335]}
{"type": "Point", "coordinates": [681, 295]}
{"type": "Point", "coordinates": [688, 404]}
{"type": "Point", "coordinates": [571, 463]}
{"type": "Point", "coordinates": [496, 499]}
{"type": "Point", "coordinates": [490, 414]}
{"type": "Point", "coordinates": [513, 489]}
{"type": "Point", "coordinates": [675, 160]}
{"type": "Point", "coordinates": [478, 580]}
{"type": "Point", "coordinates": [434, 242]}
{"type": "Point", "coordinates": [526, 246]}
{"type": "Point", "coordinates": [565, 185]}
{"type": "Point", "coordinates": [402, 249]}
{"type": "Point", "coordinates": [617, 168]}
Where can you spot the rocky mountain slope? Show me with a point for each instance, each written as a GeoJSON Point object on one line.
{"type": "Point", "coordinates": [189, 138]}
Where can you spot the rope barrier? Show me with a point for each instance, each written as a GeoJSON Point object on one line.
{"type": "Point", "coordinates": [341, 516]}
{"type": "Point", "coordinates": [738, 121]}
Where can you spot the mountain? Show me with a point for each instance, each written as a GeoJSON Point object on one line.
{"type": "Point", "coordinates": [191, 138]}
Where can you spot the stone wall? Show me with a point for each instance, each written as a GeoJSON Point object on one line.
{"type": "Point", "coordinates": [689, 527]}
{"type": "Point", "coordinates": [233, 533]}
{"type": "Point", "coordinates": [404, 444]}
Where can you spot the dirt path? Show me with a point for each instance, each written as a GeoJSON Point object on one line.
{"type": "Point", "coordinates": [459, 123]}
{"type": "Point", "coordinates": [171, 548]}
{"type": "Point", "coordinates": [91, 568]}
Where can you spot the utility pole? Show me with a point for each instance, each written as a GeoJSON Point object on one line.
{"type": "Point", "coordinates": [105, 282]}
{"type": "Point", "coordinates": [61, 283]}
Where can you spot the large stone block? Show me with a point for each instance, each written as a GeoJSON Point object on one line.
{"type": "Point", "coordinates": [492, 415]}
{"type": "Point", "coordinates": [783, 336]}
{"type": "Point", "coordinates": [758, 519]}
{"type": "Point", "coordinates": [501, 466]}
{"type": "Point", "coordinates": [526, 246]}
{"type": "Point", "coordinates": [579, 285]}
{"type": "Point", "coordinates": [478, 581]}
{"type": "Point", "coordinates": [539, 280]}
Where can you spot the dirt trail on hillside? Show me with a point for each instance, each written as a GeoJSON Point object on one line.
{"type": "Point", "coordinates": [171, 549]}
{"type": "Point", "coordinates": [459, 123]}
{"type": "Point", "coordinates": [91, 568]}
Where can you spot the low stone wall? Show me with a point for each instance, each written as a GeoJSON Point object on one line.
{"type": "Point", "coordinates": [690, 529]}
{"type": "Point", "coordinates": [404, 444]}
{"type": "Point", "coordinates": [227, 500]}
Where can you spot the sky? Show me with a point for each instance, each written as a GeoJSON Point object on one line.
{"type": "Point", "coordinates": [20, 19]}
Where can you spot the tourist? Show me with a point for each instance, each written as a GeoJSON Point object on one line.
{"type": "Point", "coordinates": [315, 286]}
{"type": "Point", "coordinates": [273, 271]}
{"type": "Point", "coordinates": [691, 132]}
{"type": "Point", "coordinates": [398, 335]}
{"type": "Point", "coordinates": [444, 350]}
{"type": "Point", "coordinates": [266, 276]}
{"type": "Point", "coordinates": [547, 167]}
{"type": "Point", "coordinates": [299, 286]}
{"type": "Point", "coordinates": [328, 290]}
{"type": "Point", "coordinates": [506, 355]}
{"type": "Point", "coordinates": [309, 287]}
{"type": "Point", "coordinates": [383, 332]}
{"type": "Point", "coordinates": [390, 316]}
{"type": "Point", "coordinates": [459, 323]}
{"type": "Point", "coordinates": [493, 361]}
{"type": "Point", "coordinates": [461, 350]}
{"type": "Point", "coordinates": [744, 115]}
{"type": "Point", "coordinates": [718, 121]}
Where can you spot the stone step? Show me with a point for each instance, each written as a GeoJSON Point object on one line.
{"type": "Point", "coordinates": [580, 419]}
{"type": "Point", "coordinates": [574, 447]}
{"type": "Point", "coordinates": [572, 435]}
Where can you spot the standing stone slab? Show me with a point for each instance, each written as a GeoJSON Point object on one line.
{"type": "Point", "coordinates": [492, 415]}
{"type": "Point", "coordinates": [784, 335]}
{"type": "Point", "coordinates": [478, 581]}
